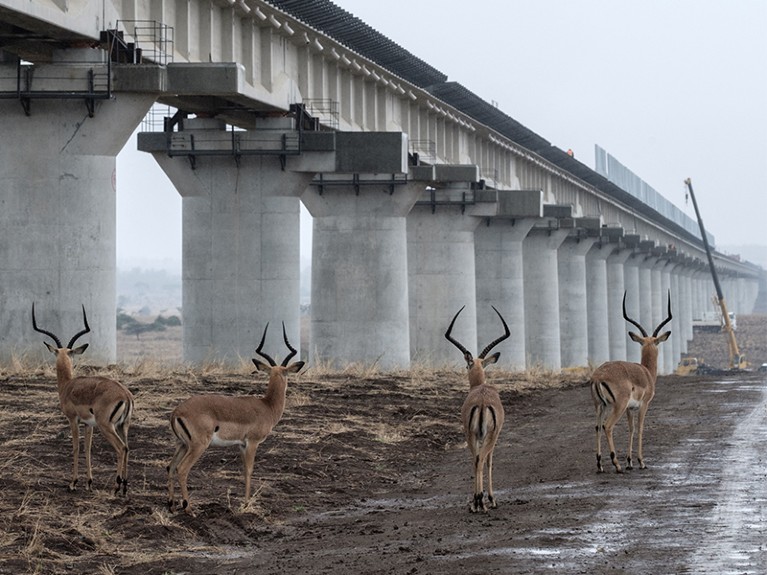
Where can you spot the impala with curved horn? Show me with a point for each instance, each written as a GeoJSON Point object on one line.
{"type": "Point", "coordinates": [222, 421]}
{"type": "Point", "coordinates": [624, 386]}
{"type": "Point", "coordinates": [94, 401]}
{"type": "Point", "coordinates": [482, 415]}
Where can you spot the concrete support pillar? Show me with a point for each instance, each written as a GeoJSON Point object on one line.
{"type": "Point", "coordinates": [752, 293]}
{"type": "Point", "coordinates": [701, 299]}
{"type": "Point", "coordinates": [500, 282]}
{"type": "Point", "coordinates": [686, 296]}
{"type": "Point", "coordinates": [58, 215]}
{"type": "Point", "coordinates": [645, 292]}
{"type": "Point", "coordinates": [658, 297]}
{"type": "Point", "coordinates": [360, 274]}
{"type": "Point", "coordinates": [633, 302]}
{"type": "Point", "coordinates": [573, 307]}
{"type": "Point", "coordinates": [442, 279]}
{"type": "Point", "coordinates": [596, 303]}
{"type": "Point", "coordinates": [665, 350]}
{"type": "Point", "coordinates": [240, 250]}
{"type": "Point", "coordinates": [742, 297]}
{"type": "Point", "coordinates": [675, 344]}
{"type": "Point", "coordinates": [542, 297]}
{"type": "Point", "coordinates": [615, 289]}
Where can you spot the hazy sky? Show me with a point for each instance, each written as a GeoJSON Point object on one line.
{"type": "Point", "coordinates": [672, 89]}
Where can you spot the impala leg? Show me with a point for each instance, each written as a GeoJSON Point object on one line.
{"type": "Point", "coordinates": [73, 425]}
{"type": "Point", "coordinates": [190, 457]}
{"type": "Point", "coordinates": [121, 450]}
{"type": "Point", "coordinates": [122, 433]}
{"type": "Point", "coordinates": [640, 455]}
{"type": "Point", "coordinates": [478, 504]}
{"type": "Point", "coordinates": [181, 450]}
{"type": "Point", "coordinates": [248, 453]}
{"type": "Point", "coordinates": [599, 425]}
{"type": "Point", "coordinates": [490, 495]}
{"type": "Point", "coordinates": [630, 418]}
{"type": "Point", "coordinates": [88, 444]}
{"type": "Point", "coordinates": [612, 419]}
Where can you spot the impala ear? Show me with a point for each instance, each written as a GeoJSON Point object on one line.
{"type": "Point", "coordinates": [78, 350]}
{"type": "Point", "coordinates": [491, 359]}
{"type": "Point", "coordinates": [662, 337]}
{"type": "Point", "coordinates": [50, 347]}
{"type": "Point", "coordinates": [295, 367]}
{"type": "Point", "coordinates": [636, 337]}
{"type": "Point", "coordinates": [261, 366]}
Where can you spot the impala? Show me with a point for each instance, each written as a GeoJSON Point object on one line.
{"type": "Point", "coordinates": [482, 415]}
{"type": "Point", "coordinates": [94, 401]}
{"type": "Point", "coordinates": [222, 421]}
{"type": "Point", "coordinates": [623, 386]}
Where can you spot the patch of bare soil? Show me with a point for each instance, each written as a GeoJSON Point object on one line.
{"type": "Point", "coordinates": [366, 473]}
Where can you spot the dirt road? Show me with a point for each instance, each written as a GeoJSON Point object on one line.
{"type": "Point", "coordinates": [369, 475]}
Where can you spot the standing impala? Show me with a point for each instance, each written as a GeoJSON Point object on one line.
{"type": "Point", "coordinates": [94, 401]}
{"type": "Point", "coordinates": [221, 420]}
{"type": "Point", "coordinates": [623, 386]}
{"type": "Point", "coordinates": [482, 415]}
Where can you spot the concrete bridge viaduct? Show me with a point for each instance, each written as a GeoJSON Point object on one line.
{"type": "Point", "coordinates": [424, 197]}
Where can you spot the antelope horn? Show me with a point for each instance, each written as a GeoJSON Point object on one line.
{"type": "Point", "coordinates": [628, 319]}
{"type": "Point", "coordinates": [44, 332]}
{"type": "Point", "coordinates": [665, 321]}
{"type": "Point", "coordinates": [500, 339]}
{"type": "Point", "coordinates": [260, 345]}
{"type": "Point", "coordinates": [81, 332]}
{"type": "Point", "coordinates": [290, 347]}
{"type": "Point", "coordinates": [453, 341]}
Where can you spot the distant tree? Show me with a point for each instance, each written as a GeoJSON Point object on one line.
{"type": "Point", "coordinates": [124, 320]}
{"type": "Point", "coordinates": [170, 321]}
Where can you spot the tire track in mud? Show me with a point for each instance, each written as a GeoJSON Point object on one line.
{"type": "Point", "coordinates": [734, 540]}
{"type": "Point", "coordinates": [703, 507]}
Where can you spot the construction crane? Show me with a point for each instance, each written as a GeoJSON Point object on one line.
{"type": "Point", "coordinates": [737, 360]}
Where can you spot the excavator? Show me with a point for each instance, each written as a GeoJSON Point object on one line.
{"type": "Point", "coordinates": [737, 359]}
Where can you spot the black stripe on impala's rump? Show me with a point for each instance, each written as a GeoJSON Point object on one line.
{"type": "Point", "coordinates": [610, 391]}
{"type": "Point", "coordinates": [495, 418]}
{"type": "Point", "coordinates": [184, 428]}
{"type": "Point", "coordinates": [116, 410]}
{"type": "Point", "coordinates": [598, 392]}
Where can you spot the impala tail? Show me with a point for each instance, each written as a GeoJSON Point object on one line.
{"type": "Point", "coordinates": [482, 423]}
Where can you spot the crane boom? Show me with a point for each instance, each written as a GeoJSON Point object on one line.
{"type": "Point", "coordinates": [737, 360]}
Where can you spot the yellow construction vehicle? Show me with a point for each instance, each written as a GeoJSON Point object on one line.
{"type": "Point", "coordinates": [737, 359]}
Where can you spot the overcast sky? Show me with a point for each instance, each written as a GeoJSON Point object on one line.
{"type": "Point", "coordinates": [672, 89]}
